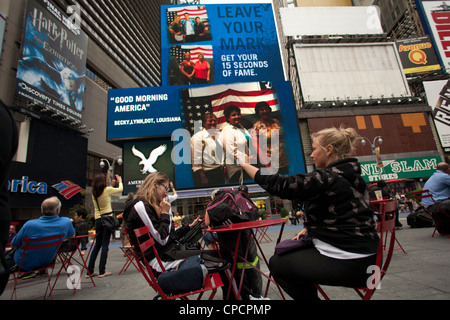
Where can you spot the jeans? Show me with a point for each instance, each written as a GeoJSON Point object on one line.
{"type": "Point", "coordinates": [101, 242]}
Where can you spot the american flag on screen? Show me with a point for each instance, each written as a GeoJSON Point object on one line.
{"type": "Point", "coordinates": [194, 50]}
{"type": "Point", "coordinates": [194, 11]}
{"type": "Point", "coordinates": [195, 107]}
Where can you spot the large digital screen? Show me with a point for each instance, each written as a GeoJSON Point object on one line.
{"type": "Point", "coordinates": [216, 44]}
{"type": "Point", "coordinates": [435, 16]}
{"type": "Point", "coordinates": [271, 137]}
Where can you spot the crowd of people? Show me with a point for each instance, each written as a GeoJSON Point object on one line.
{"type": "Point", "coordinates": [337, 216]}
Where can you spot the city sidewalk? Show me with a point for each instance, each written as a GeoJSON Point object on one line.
{"type": "Point", "coordinates": [420, 274]}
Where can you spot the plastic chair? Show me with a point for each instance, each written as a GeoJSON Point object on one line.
{"type": "Point", "coordinates": [128, 251]}
{"type": "Point", "coordinates": [212, 282]}
{"type": "Point", "coordinates": [386, 227]}
{"type": "Point", "coordinates": [36, 244]}
{"type": "Point", "coordinates": [419, 195]}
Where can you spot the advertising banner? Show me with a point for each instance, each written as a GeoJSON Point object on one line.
{"type": "Point", "coordinates": [438, 96]}
{"type": "Point", "coordinates": [136, 113]}
{"type": "Point", "coordinates": [58, 168]}
{"type": "Point", "coordinates": [406, 168]}
{"type": "Point", "coordinates": [217, 44]}
{"type": "Point", "coordinates": [2, 30]}
{"type": "Point", "coordinates": [435, 16]}
{"type": "Point", "coordinates": [52, 66]}
{"type": "Point", "coordinates": [417, 55]}
{"type": "Point", "coordinates": [172, 137]}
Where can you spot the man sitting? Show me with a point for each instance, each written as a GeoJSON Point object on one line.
{"type": "Point", "coordinates": [439, 186]}
{"type": "Point", "coordinates": [50, 224]}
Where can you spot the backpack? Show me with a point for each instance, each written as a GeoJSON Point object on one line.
{"type": "Point", "coordinates": [419, 219]}
{"type": "Point", "coordinates": [232, 205]}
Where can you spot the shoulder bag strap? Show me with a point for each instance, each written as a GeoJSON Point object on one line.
{"type": "Point", "coordinates": [95, 198]}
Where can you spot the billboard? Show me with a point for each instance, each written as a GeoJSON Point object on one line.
{"type": "Point", "coordinates": [165, 141]}
{"type": "Point", "coordinates": [63, 174]}
{"type": "Point", "coordinates": [52, 66]}
{"type": "Point", "coordinates": [219, 44]}
{"type": "Point", "coordinates": [136, 113]}
{"type": "Point", "coordinates": [438, 96]}
{"type": "Point", "coordinates": [333, 72]}
{"type": "Point", "coordinates": [401, 133]}
{"type": "Point", "coordinates": [417, 55]}
{"type": "Point", "coordinates": [2, 30]}
{"type": "Point", "coordinates": [435, 16]}
{"type": "Point", "coordinates": [316, 21]}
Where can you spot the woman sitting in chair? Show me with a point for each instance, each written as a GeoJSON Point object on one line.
{"type": "Point", "coordinates": [339, 218]}
{"type": "Point", "coordinates": [150, 208]}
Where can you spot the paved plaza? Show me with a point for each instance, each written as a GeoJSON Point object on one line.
{"type": "Point", "coordinates": [420, 274]}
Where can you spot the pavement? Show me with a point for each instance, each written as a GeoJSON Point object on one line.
{"type": "Point", "coordinates": [422, 273]}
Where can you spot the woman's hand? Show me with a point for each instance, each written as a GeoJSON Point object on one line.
{"type": "Point", "coordinates": [165, 206]}
{"type": "Point", "coordinates": [300, 234]}
{"type": "Point", "coordinates": [194, 222]}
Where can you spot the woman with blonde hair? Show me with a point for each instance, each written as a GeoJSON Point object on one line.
{"type": "Point", "coordinates": [339, 218]}
{"type": "Point", "coordinates": [150, 208]}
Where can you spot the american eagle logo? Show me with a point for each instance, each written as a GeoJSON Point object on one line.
{"type": "Point", "coordinates": [148, 163]}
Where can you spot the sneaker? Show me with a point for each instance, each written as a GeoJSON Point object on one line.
{"type": "Point", "coordinates": [42, 273]}
{"type": "Point", "coordinates": [28, 275]}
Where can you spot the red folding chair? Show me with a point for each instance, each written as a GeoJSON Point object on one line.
{"type": "Point", "coordinates": [31, 245]}
{"type": "Point", "coordinates": [386, 228]}
{"type": "Point", "coordinates": [73, 255]}
{"type": "Point", "coordinates": [128, 251]}
{"type": "Point", "coordinates": [376, 206]}
{"type": "Point", "coordinates": [418, 196]}
{"type": "Point", "coordinates": [146, 242]}
{"type": "Point", "coordinates": [261, 234]}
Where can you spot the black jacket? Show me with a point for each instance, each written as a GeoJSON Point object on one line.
{"type": "Point", "coordinates": [162, 229]}
{"type": "Point", "coordinates": [337, 204]}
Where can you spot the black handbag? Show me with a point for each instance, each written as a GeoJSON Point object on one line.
{"type": "Point", "coordinates": [109, 220]}
{"type": "Point", "coordinates": [190, 241]}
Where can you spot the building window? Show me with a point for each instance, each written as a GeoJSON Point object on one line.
{"type": "Point", "coordinates": [98, 79]}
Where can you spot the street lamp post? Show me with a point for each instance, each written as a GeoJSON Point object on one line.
{"type": "Point", "coordinates": [111, 167]}
{"type": "Point", "coordinates": [376, 153]}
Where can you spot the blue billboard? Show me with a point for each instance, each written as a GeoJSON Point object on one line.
{"type": "Point", "coordinates": [158, 134]}
{"type": "Point", "coordinates": [52, 67]}
{"type": "Point", "coordinates": [216, 44]}
{"type": "Point", "coordinates": [222, 81]}
{"type": "Point", "coordinates": [136, 113]}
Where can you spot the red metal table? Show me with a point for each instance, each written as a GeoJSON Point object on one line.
{"type": "Point", "coordinates": [242, 226]}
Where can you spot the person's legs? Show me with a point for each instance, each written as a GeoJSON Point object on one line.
{"type": "Point", "coordinates": [298, 272]}
{"type": "Point", "coordinates": [97, 245]}
{"type": "Point", "coordinates": [105, 249]}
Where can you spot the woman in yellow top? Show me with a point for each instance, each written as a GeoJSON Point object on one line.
{"type": "Point", "coordinates": [101, 196]}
